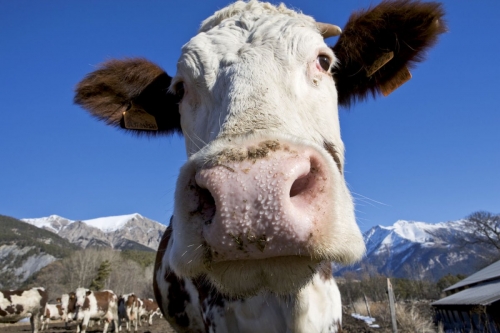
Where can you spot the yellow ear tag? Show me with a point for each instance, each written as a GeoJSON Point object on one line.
{"type": "Point", "coordinates": [139, 120]}
{"type": "Point", "coordinates": [379, 63]}
{"type": "Point", "coordinates": [397, 81]}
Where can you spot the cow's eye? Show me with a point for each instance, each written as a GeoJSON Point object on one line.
{"type": "Point", "coordinates": [179, 90]}
{"type": "Point", "coordinates": [324, 62]}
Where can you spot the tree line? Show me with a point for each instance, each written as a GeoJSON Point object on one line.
{"type": "Point", "coordinates": [98, 269]}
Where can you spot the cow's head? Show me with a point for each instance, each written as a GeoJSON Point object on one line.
{"type": "Point", "coordinates": [68, 302]}
{"type": "Point", "coordinates": [262, 200]}
{"type": "Point", "coordinates": [80, 296]}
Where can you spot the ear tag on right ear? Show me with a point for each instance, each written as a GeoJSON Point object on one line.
{"type": "Point", "coordinates": [139, 120]}
{"type": "Point", "coordinates": [379, 63]}
{"type": "Point", "coordinates": [397, 81]}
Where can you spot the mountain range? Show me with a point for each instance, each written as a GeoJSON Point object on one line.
{"type": "Point", "coordinates": [418, 250]}
{"type": "Point", "coordinates": [124, 232]}
{"type": "Point", "coordinates": [406, 249]}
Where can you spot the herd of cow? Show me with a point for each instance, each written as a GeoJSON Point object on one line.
{"type": "Point", "coordinates": [82, 306]}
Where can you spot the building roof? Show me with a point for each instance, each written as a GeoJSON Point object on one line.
{"type": "Point", "coordinates": [483, 294]}
{"type": "Point", "coordinates": [488, 273]}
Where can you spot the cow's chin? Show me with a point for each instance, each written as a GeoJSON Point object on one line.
{"type": "Point", "coordinates": [279, 275]}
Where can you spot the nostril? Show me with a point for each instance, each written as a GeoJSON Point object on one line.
{"type": "Point", "coordinates": [305, 182]}
{"type": "Point", "coordinates": [205, 206]}
{"type": "Point", "coordinates": [206, 197]}
{"type": "Point", "coordinates": [299, 185]}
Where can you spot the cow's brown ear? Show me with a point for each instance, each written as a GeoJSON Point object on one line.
{"type": "Point", "coordinates": [132, 94]}
{"type": "Point", "coordinates": [378, 45]}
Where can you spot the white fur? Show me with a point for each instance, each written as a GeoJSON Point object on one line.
{"type": "Point", "coordinates": [250, 75]}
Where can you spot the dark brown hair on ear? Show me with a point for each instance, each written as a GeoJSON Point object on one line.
{"type": "Point", "coordinates": [132, 94]}
{"type": "Point", "coordinates": [378, 45]}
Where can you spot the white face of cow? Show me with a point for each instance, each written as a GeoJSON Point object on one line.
{"type": "Point", "coordinates": [262, 199]}
{"type": "Point", "coordinates": [80, 295]}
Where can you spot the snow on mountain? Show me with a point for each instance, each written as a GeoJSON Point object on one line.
{"type": "Point", "coordinates": [410, 249]}
{"type": "Point", "coordinates": [107, 224]}
{"type": "Point", "coordinates": [52, 223]}
{"type": "Point", "coordinates": [403, 234]}
{"type": "Point", "coordinates": [110, 223]}
{"type": "Point", "coordinates": [121, 231]}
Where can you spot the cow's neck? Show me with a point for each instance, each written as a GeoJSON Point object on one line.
{"type": "Point", "coordinates": [316, 308]}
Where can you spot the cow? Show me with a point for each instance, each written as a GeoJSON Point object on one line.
{"type": "Point", "coordinates": [148, 309]}
{"type": "Point", "coordinates": [128, 310]}
{"type": "Point", "coordinates": [19, 304]}
{"type": "Point", "coordinates": [95, 305]}
{"type": "Point", "coordinates": [68, 304]}
{"type": "Point", "coordinates": [261, 207]}
{"type": "Point", "coordinates": [52, 312]}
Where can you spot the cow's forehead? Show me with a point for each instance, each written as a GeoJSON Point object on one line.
{"type": "Point", "coordinates": [254, 32]}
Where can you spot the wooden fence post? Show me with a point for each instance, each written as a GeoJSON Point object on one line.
{"type": "Point", "coordinates": [392, 306]}
{"type": "Point", "coordinates": [367, 306]}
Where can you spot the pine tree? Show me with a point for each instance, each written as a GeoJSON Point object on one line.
{"type": "Point", "coordinates": [102, 274]}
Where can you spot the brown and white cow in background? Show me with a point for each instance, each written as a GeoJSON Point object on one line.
{"type": "Point", "coordinates": [68, 304]}
{"type": "Point", "coordinates": [148, 309]}
{"type": "Point", "coordinates": [52, 312]}
{"type": "Point", "coordinates": [261, 206]}
{"type": "Point", "coordinates": [128, 311]}
{"type": "Point", "coordinates": [95, 305]}
{"type": "Point", "coordinates": [19, 304]}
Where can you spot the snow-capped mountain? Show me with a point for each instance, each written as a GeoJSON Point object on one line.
{"type": "Point", "coordinates": [405, 249]}
{"type": "Point", "coordinates": [403, 234]}
{"type": "Point", "coordinates": [417, 250]}
{"type": "Point", "coordinates": [121, 232]}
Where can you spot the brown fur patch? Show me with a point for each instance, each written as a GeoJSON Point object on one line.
{"type": "Point", "coordinates": [150, 305]}
{"type": "Point", "coordinates": [132, 85]}
{"type": "Point", "coordinates": [86, 303]}
{"type": "Point", "coordinates": [72, 302]}
{"type": "Point", "coordinates": [408, 28]}
{"type": "Point", "coordinates": [252, 153]}
{"type": "Point", "coordinates": [103, 299]}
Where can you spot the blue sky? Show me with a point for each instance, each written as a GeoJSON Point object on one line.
{"type": "Point", "coordinates": [429, 152]}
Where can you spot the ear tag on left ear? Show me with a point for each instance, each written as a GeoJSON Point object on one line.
{"type": "Point", "coordinates": [397, 81]}
{"type": "Point", "coordinates": [139, 120]}
{"type": "Point", "coordinates": [379, 63]}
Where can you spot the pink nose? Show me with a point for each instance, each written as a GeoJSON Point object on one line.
{"type": "Point", "coordinates": [267, 207]}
